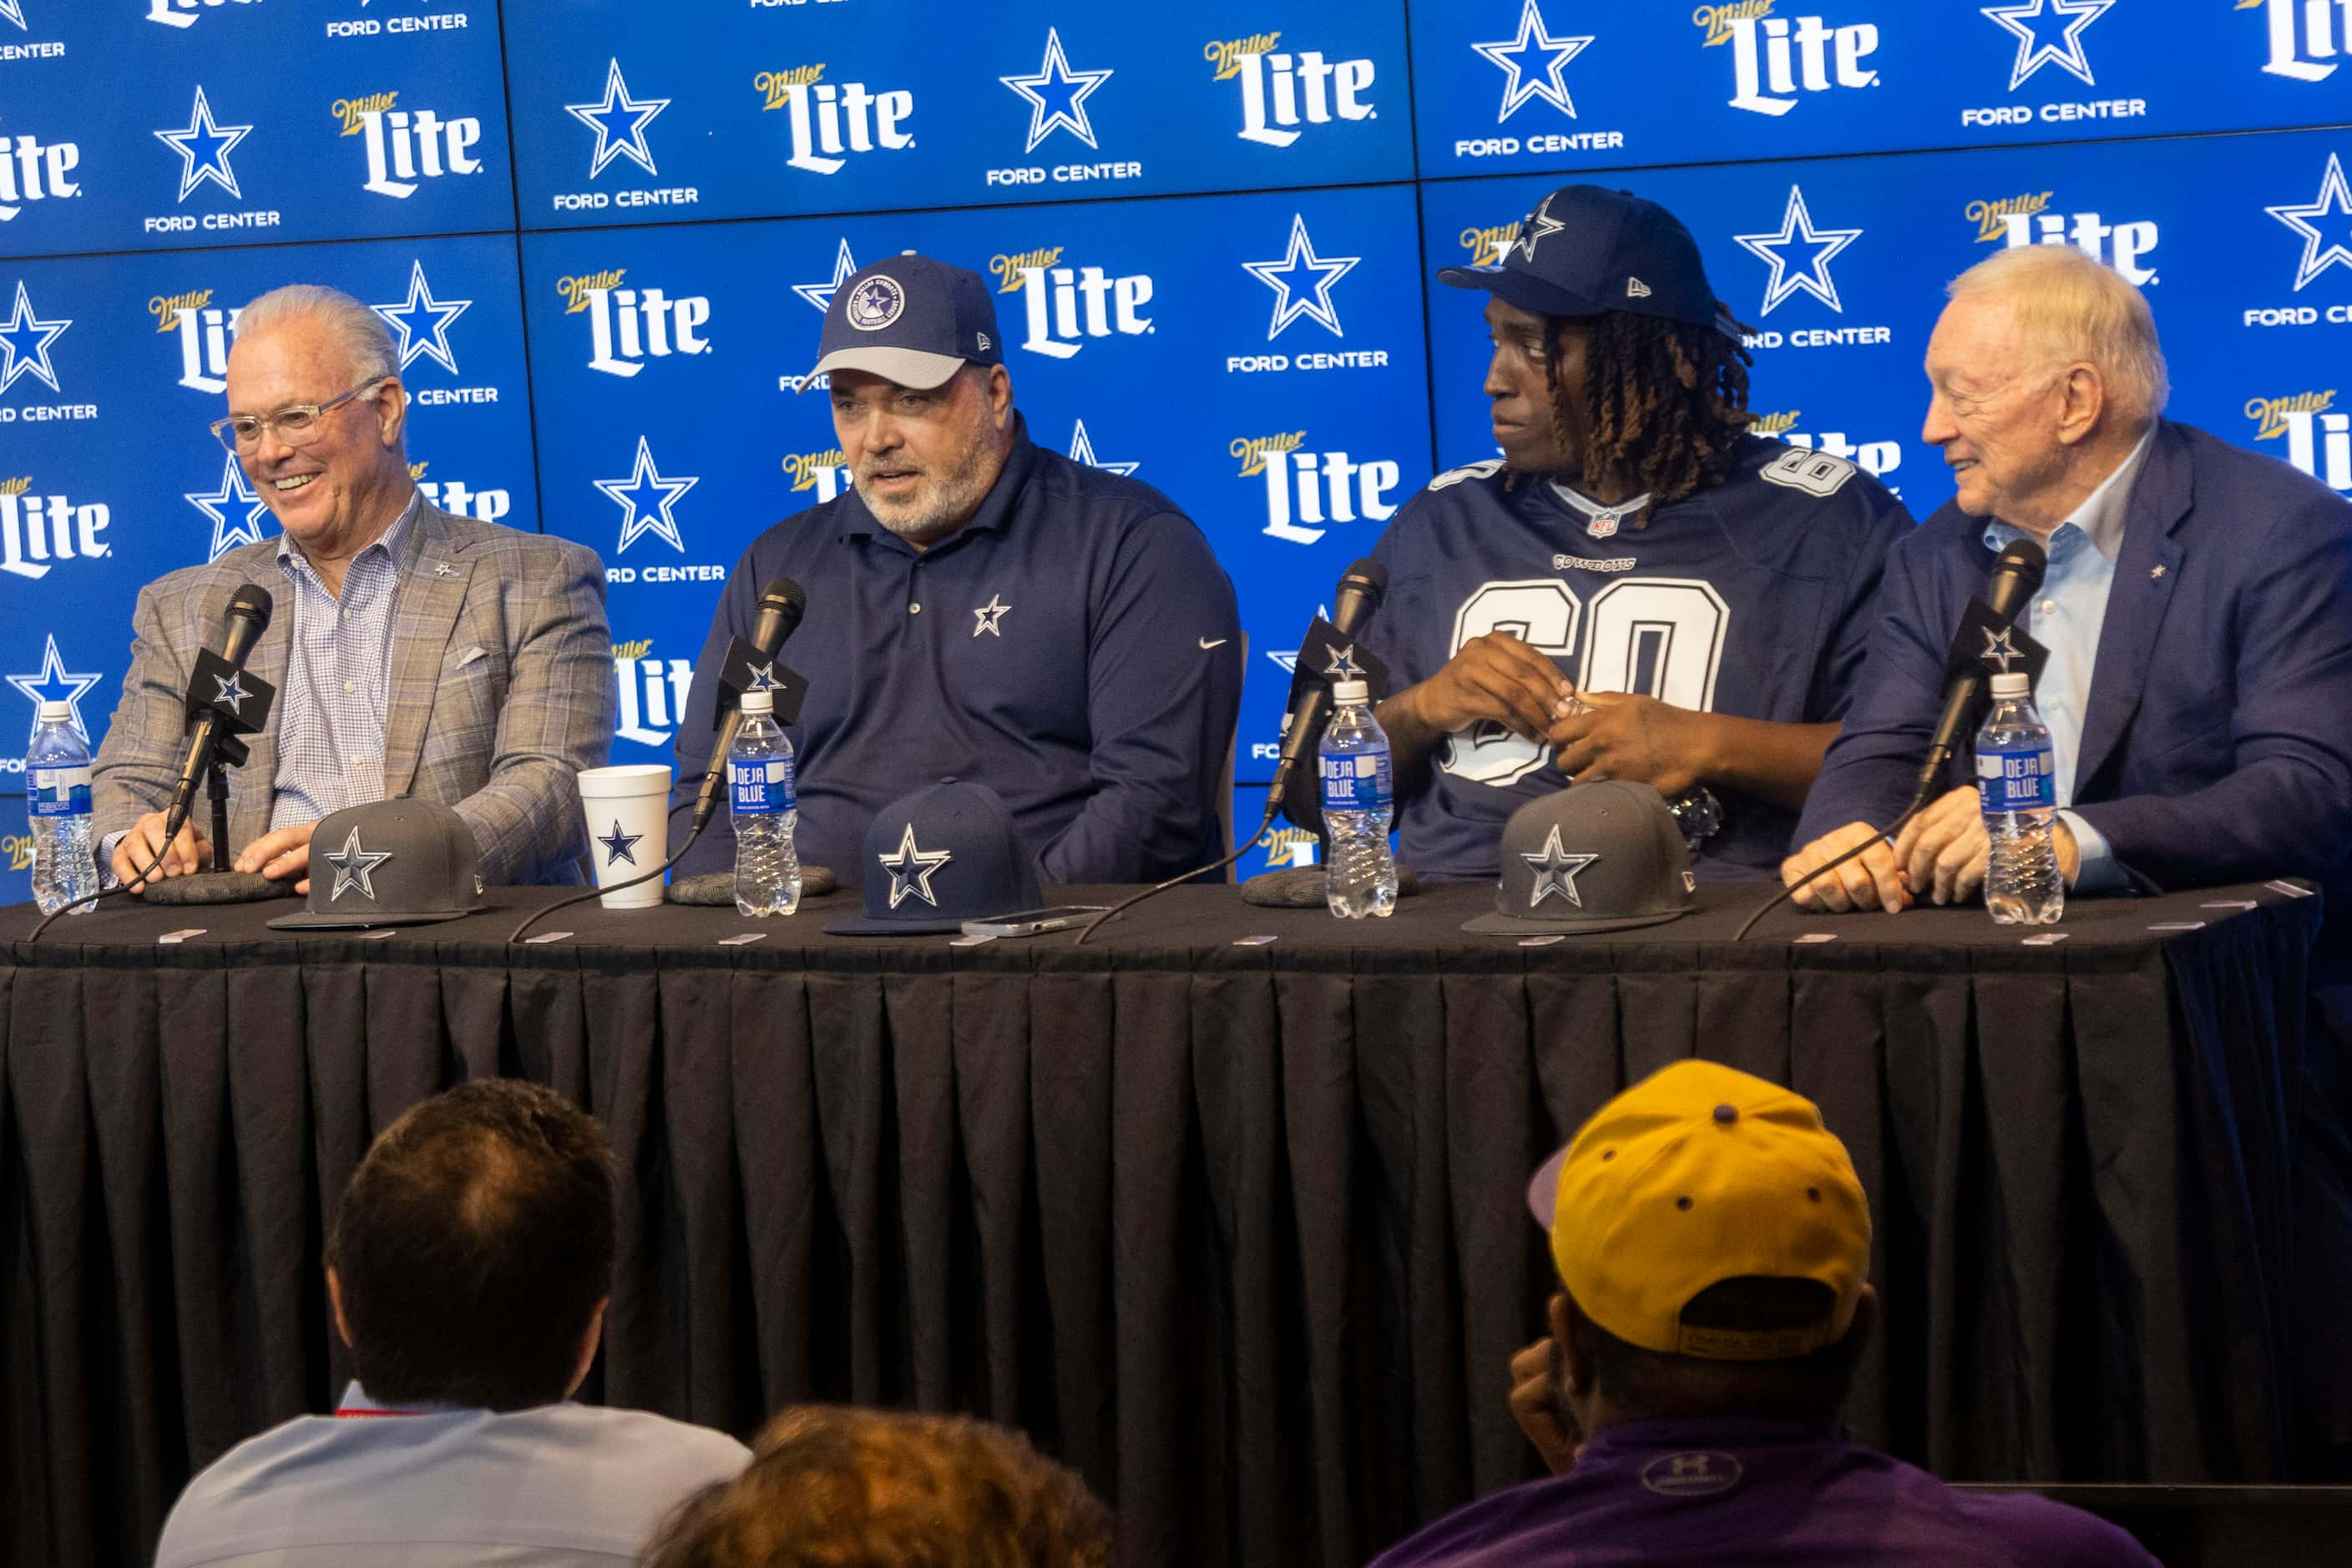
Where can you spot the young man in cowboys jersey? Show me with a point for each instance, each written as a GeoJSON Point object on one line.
{"type": "Point", "coordinates": [1639, 588]}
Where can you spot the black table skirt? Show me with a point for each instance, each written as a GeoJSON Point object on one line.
{"type": "Point", "coordinates": [1236, 1230]}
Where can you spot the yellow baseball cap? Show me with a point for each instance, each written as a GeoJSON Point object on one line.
{"type": "Point", "coordinates": [1697, 1174]}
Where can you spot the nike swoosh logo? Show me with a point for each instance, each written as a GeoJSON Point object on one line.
{"type": "Point", "coordinates": [1206, 644]}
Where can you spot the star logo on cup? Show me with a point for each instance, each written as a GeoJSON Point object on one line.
{"type": "Point", "coordinates": [619, 846]}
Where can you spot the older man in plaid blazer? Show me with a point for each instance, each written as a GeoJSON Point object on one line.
{"type": "Point", "coordinates": [415, 653]}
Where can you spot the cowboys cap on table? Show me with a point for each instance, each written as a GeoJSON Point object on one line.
{"type": "Point", "coordinates": [910, 320]}
{"type": "Point", "coordinates": [938, 857]}
{"type": "Point", "coordinates": [1603, 856]}
{"type": "Point", "coordinates": [389, 863]}
{"type": "Point", "coordinates": [1697, 1174]}
{"type": "Point", "coordinates": [1586, 250]}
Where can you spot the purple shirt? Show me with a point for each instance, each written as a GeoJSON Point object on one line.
{"type": "Point", "coordinates": [1756, 1492]}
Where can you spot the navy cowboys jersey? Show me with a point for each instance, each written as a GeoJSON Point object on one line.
{"type": "Point", "coordinates": [1752, 598]}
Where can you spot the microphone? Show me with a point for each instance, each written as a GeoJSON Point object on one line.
{"type": "Point", "coordinates": [1361, 588]}
{"type": "Point", "coordinates": [2015, 575]}
{"type": "Point", "coordinates": [782, 604]}
{"type": "Point", "coordinates": [247, 618]}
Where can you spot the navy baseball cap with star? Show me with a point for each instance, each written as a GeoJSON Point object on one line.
{"type": "Point", "coordinates": [939, 858]}
{"type": "Point", "coordinates": [1587, 249]}
{"type": "Point", "coordinates": [910, 320]}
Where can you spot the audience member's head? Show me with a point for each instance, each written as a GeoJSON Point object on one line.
{"type": "Point", "coordinates": [472, 1256]}
{"type": "Point", "coordinates": [1714, 1242]}
{"type": "Point", "coordinates": [833, 1487]}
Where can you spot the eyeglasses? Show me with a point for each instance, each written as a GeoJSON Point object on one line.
{"type": "Point", "coordinates": [297, 423]}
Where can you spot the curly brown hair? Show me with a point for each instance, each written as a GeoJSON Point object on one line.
{"type": "Point", "coordinates": [1665, 401]}
{"type": "Point", "coordinates": [831, 1486]}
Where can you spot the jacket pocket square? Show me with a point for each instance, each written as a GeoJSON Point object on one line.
{"type": "Point", "coordinates": [469, 656]}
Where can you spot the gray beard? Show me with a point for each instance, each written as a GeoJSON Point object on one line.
{"type": "Point", "coordinates": [951, 501]}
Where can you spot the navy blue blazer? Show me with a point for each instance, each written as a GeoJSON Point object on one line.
{"type": "Point", "coordinates": [2217, 742]}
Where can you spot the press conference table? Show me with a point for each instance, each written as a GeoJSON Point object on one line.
{"type": "Point", "coordinates": [1237, 1230]}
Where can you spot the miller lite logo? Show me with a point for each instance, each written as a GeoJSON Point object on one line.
{"type": "Point", "coordinates": [463, 500]}
{"type": "Point", "coordinates": [829, 121]}
{"type": "Point", "coordinates": [1775, 59]}
{"type": "Point", "coordinates": [818, 471]}
{"type": "Point", "coordinates": [1487, 246]}
{"type": "Point", "coordinates": [2020, 220]}
{"type": "Point", "coordinates": [407, 146]}
{"type": "Point", "coordinates": [2318, 439]}
{"type": "Point", "coordinates": [37, 532]}
{"type": "Point", "coordinates": [1285, 88]}
{"type": "Point", "coordinates": [204, 331]}
{"type": "Point", "coordinates": [1306, 488]}
{"type": "Point", "coordinates": [628, 326]}
{"type": "Point", "coordinates": [2306, 38]}
{"type": "Point", "coordinates": [32, 170]}
{"type": "Point", "coordinates": [653, 692]}
{"type": "Point", "coordinates": [182, 13]}
{"type": "Point", "coordinates": [1062, 307]}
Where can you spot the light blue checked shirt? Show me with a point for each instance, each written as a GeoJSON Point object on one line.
{"type": "Point", "coordinates": [331, 715]}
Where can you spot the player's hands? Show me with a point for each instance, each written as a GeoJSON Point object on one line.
{"type": "Point", "coordinates": [1871, 880]}
{"type": "Point", "coordinates": [1943, 850]}
{"type": "Point", "coordinates": [1538, 1410]}
{"type": "Point", "coordinates": [1495, 678]}
{"type": "Point", "coordinates": [282, 854]}
{"type": "Point", "coordinates": [134, 851]}
{"type": "Point", "coordinates": [1618, 735]}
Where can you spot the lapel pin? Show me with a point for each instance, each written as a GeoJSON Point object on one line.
{"type": "Point", "coordinates": [2156, 573]}
{"type": "Point", "coordinates": [443, 569]}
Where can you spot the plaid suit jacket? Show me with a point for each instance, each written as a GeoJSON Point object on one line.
{"type": "Point", "coordinates": [502, 690]}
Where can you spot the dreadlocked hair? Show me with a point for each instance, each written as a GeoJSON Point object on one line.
{"type": "Point", "coordinates": [1665, 401]}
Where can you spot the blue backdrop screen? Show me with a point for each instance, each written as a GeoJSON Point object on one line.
{"type": "Point", "coordinates": [603, 233]}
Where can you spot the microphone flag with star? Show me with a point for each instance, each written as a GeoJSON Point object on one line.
{"type": "Point", "coordinates": [1328, 655]}
{"type": "Point", "coordinates": [747, 670]}
{"type": "Point", "coordinates": [240, 698]}
{"type": "Point", "coordinates": [1994, 646]}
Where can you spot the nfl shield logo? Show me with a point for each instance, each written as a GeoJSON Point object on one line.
{"type": "Point", "coordinates": [1603, 525]}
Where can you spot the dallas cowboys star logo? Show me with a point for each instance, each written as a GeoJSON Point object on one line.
{"type": "Point", "coordinates": [1302, 280]}
{"type": "Point", "coordinates": [1540, 226]}
{"type": "Point", "coordinates": [1082, 450]}
{"type": "Point", "coordinates": [355, 866]}
{"type": "Point", "coordinates": [13, 11]}
{"type": "Point", "coordinates": [990, 617]}
{"type": "Point", "coordinates": [422, 322]}
{"type": "Point", "coordinates": [762, 677]}
{"type": "Point", "coordinates": [619, 122]}
{"type": "Point", "coordinates": [910, 869]}
{"type": "Point", "coordinates": [619, 846]}
{"type": "Point", "coordinates": [1813, 277]}
{"type": "Point", "coordinates": [1343, 664]}
{"type": "Point", "coordinates": [54, 683]}
{"type": "Point", "coordinates": [2000, 647]}
{"type": "Point", "coordinates": [821, 294]}
{"type": "Point", "coordinates": [647, 498]}
{"type": "Point", "coordinates": [234, 491]}
{"type": "Point", "coordinates": [2036, 23]}
{"type": "Point", "coordinates": [232, 692]}
{"type": "Point", "coordinates": [1530, 78]}
{"type": "Point", "coordinates": [1057, 95]}
{"type": "Point", "coordinates": [25, 339]}
{"type": "Point", "coordinates": [1555, 872]}
{"type": "Point", "coordinates": [2334, 198]}
{"type": "Point", "coordinates": [204, 148]}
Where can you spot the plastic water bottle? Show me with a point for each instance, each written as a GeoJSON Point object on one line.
{"type": "Point", "coordinates": [2023, 883]}
{"type": "Point", "coordinates": [57, 796]}
{"type": "Point", "coordinates": [764, 802]}
{"type": "Point", "coordinates": [1358, 794]}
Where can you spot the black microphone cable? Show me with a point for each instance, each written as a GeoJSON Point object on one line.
{"type": "Point", "coordinates": [1273, 810]}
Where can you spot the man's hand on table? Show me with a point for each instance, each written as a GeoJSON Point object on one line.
{"type": "Point", "coordinates": [142, 849]}
{"type": "Point", "coordinates": [1940, 857]}
{"type": "Point", "coordinates": [282, 854]}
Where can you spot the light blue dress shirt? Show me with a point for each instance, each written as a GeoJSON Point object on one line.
{"type": "Point", "coordinates": [568, 1486]}
{"type": "Point", "coordinates": [2066, 617]}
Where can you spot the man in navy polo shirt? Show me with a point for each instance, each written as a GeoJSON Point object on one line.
{"type": "Point", "coordinates": [1713, 1241]}
{"type": "Point", "coordinates": [981, 608]}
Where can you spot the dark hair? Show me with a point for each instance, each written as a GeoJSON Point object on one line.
{"type": "Point", "coordinates": [1665, 400]}
{"type": "Point", "coordinates": [1808, 1389]}
{"type": "Point", "coordinates": [473, 1245]}
{"type": "Point", "coordinates": [833, 1487]}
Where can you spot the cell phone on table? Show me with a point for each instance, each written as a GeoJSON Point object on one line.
{"type": "Point", "coordinates": [1029, 923]}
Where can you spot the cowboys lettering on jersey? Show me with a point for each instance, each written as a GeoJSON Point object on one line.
{"type": "Point", "coordinates": [1639, 588]}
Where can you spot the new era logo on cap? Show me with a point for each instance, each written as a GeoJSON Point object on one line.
{"type": "Point", "coordinates": [1636, 290]}
{"type": "Point", "coordinates": [939, 858]}
{"type": "Point", "coordinates": [1597, 857]}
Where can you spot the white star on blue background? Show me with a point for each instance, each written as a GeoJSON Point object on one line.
{"type": "Point", "coordinates": [24, 338]}
{"type": "Point", "coordinates": [821, 294]}
{"type": "Point", "coordinates": [1057, 95]}
{"type": "Point", "coordinates": [1302, 281]}
{"type": "Point", "coordinates": [1555, 872]}
{"type": "Point", "coordinates": [232, 691]}
{"type": "Point", "coordinates": [227, 535]}
{"type": "Point", "coordinates": [54, 683]}
{"type": "Point", "coordinates": [648, 497]}
{"type": "Point", "coordinates": [910, 869]}
{"type": "Point", "coordinates": [13, 11]}
{"type": "Point", "coordinates": [2334, 197]}
{"type": "Point", "coordinates": [204, 149]}
{"type": "Point", "coordinates": [619, 122]}
{"type": "Point", "coordinates": [2036, 22]}
{"type": "Point", "coordinates": [619, 846]}
{"type": "Point", "coordinates": [355, 866]}
{"type": "Point", "coordinates": [422, 322]}
{"type": "Point", "coordinates": [1082, 450]}
{"type": "Point", "coordinates": [1813, 277]}
{"type": "Point", "coordinates": [1540, 79]}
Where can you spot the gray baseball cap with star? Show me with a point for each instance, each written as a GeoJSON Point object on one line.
{"type": "Point", "coordinates": [389, 863]}
{"type": "Point", "coordinates": [1604, 856]}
